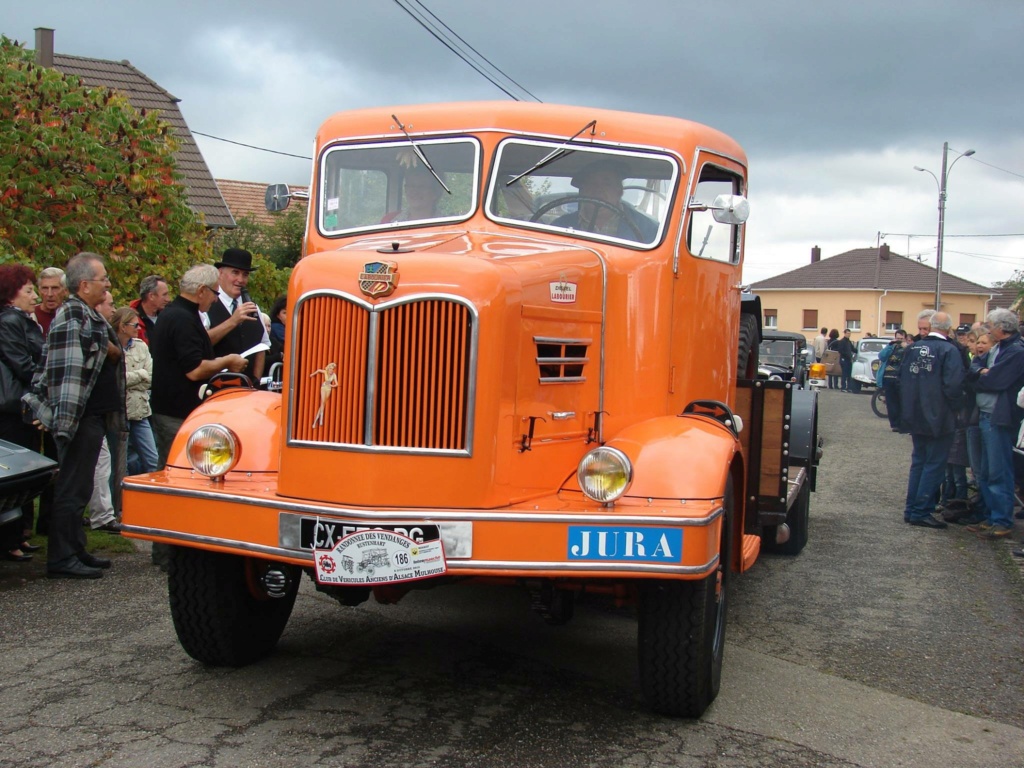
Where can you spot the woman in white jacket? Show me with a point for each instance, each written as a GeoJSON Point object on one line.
{"type": "Point", "coordinates": [142, 455]}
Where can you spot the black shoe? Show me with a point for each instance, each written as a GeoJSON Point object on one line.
{"type": "Point", "coordinates": [26, 547]}
{"type": "Point", "coordinates": [73, 569]}
{"type": "Point", "coordinates": [92, 561]}
{"type": "Point", "coordinates": [928, 522]}
{"type": "Point", "coordinates": [112, 527]}
{"type": "Point", "coordinates": [15, 556]}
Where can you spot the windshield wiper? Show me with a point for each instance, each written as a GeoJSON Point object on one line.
{"type": "Point", "coordinates": [422, 157]}
{"type": "Point", "coordinates": [553, 154]}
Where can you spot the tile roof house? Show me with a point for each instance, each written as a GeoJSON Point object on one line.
{"type": "Point", "coordinates": [246, 199]}
{"type": "Point", "coordinates": [869, 290]}
{"type": "Point", "coordinates": [203, 194]}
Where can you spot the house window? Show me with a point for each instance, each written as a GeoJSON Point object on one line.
{"type": "Point", "coordinates": [967, 319]}
{"type": "Point", "coordinates": [853, 319]}
{"type": "Point", "coordinates": [893, 321]}
{"type": "Point", "coordinates": [771, 318]}
{"type": "Point", "coordinates": [810, 319]}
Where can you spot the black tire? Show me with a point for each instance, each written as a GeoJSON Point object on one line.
{"type": "Point", "coordinates": [746, 356]}
{"type": "Point", "coordinates": [878, 404]}
{"type": "Point", "coordinates": [798, 519]}
{"type": "Point", "coordinates": [221, 612]}
{"type": "Point", "coordinates": [681, 635]}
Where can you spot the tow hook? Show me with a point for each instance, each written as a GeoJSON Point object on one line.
{"type": "Point", "coordinates": [782, 534]}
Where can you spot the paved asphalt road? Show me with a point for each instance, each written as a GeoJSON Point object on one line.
{"type": "Point", "coordinates": [881, 645]}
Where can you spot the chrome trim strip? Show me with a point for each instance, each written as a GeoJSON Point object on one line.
{"type": "Point", "coordinates": [590, 565]}
{"type": "Point", "coordinates": [561, 360]}
{"type": "Point", "coordinates": [424, 515]}
{"type": "Point", "coordinates": [561, 379]}
{"type": "Point", "coordinates": [453, 565]}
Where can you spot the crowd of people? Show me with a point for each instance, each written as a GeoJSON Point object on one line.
{"type": "Point", "coordinates": [103, 390]}
{"type": "Point", "coordinates": [959, 394]}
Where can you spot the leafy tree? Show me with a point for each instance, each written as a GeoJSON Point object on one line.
{"type": "Point", "coordinates": [83, 170]}
{"type": "Point", "coordinates": [281, 241]}
{"type": "Point", "coordinates": [1016, 281]}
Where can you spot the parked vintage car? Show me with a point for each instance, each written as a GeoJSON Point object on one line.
{"type": "Point", "coordinates": [784, 356]}
{"type": "Point", "coordinates": [865, 364]}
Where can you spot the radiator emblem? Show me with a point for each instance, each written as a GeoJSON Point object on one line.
{"type": "Point", "coordinates": [379, 278]}
{"type": "Point", "coordinates": [330, 382]}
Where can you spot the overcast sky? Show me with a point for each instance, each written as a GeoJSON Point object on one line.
{"type": "Point", "coordinates": [833, 102]}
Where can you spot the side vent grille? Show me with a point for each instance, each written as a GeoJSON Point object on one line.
{"type": "Point", "coordinates": [561, 361]}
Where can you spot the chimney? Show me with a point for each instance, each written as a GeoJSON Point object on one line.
{"type": "Point", "coordinates": [44, 47]}
{"type": "Point", "coordinates": [815, 255]}
{"type": "Point", "coordinates": [883, 252]}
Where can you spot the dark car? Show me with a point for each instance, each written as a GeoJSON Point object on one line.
{"type": "Point", "coordinates": [23, 475]}
{"type": "Point", "coordinates": [784, 356]}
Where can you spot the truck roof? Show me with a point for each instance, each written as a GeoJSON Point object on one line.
{"type": "Point", "coordinates": [539, 119]}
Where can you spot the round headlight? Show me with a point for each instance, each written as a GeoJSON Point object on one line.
{"type": "Point", "coordinates": [604, 474]}
{"type": "Point", "coordinates": [213, 450]}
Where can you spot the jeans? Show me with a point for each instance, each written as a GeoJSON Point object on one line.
{"type": "Point", "coordinates": [165, 429]}
{"type": "Point", "coordinates": [955, 486]}
{"type": "Point", "coordinates": [846, 366]}
{"type": "Point", "coordinates": [892, 402]}
{"type": "Point", "coordinates": [101, 504]}
{"type": "Point", "coordinates": [996, 481]}
{"type": "Point", "coordinates": [142, 456]}
{"type": "Point", "coordinates": [927, 469]}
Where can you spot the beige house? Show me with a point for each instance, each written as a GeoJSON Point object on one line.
{"type": "Point", "coordinates": [868, 290]}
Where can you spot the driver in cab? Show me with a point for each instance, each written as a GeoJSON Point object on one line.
{"type": "Point", "coordinates": [602, 210]}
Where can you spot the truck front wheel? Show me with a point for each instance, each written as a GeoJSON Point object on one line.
{"type": "Point", "coordinates": [681, 636]}
{"type": "Point", "coordinates": [228, 610]}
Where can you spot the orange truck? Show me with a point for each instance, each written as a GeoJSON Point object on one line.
{"type": "Point", "coordinates": [518, 352]}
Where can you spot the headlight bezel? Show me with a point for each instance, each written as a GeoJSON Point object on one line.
{"type": "Point", "coordinates": [199, 454]}
{"type": "Point", "coordinates": [595, 484]}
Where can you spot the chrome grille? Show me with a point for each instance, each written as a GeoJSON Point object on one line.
{"type": "Point", "coordinates": [403, 373]}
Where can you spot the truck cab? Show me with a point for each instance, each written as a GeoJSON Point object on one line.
{"type": "Point", "coordinates": [517, 350]}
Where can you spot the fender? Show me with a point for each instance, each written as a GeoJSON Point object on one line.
{"type": "Point", "coordinates": [678, 457]}
{"type": "Point", "coordinates": [254, 416]}
{"type": "Point", "coordinates": [803, 435]}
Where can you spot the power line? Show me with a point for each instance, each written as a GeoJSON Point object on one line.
{"type": "Point", "coordinates": [994, 167]}
{"type": "Point", "coordinates": [447, 42]}
{"type": "Point", "coordinates": [250, 146]}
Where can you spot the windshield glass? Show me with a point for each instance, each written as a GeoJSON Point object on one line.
{"type": "Point", "coordinates": [873, 347]}
{"type": "Point", "coordinates": [384, 186]}
{"type": "Point", "coordinates": [586, 192]}
{"type": "Point", "coordinates": [777, 352]}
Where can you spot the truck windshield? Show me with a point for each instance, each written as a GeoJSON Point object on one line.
{"type": "Point", "coordinates": [586, 191]}
{"type": "Point", "coordinates": [385, 185]}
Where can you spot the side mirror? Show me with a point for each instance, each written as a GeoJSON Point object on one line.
{"type": "Point", "coordinates": [277, 197]}
{"type": "Point", "coordinates": [730, 209]}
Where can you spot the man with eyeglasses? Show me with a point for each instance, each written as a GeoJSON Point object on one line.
{"type": "Point", "coordinates": [183, 356]}
{"type": "Point", "coordinates": [82, 377]}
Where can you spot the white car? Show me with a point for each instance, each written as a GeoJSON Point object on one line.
{"type": "Point", "coordinates": [865, 364]}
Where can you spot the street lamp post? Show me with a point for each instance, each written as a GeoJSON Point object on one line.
{"type": "Point", "coordinates": [940, 181]}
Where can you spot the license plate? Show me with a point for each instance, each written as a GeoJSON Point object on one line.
{"type": "Point", "coordinates": [324, 534]}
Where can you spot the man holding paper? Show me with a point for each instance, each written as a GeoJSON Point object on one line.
{"type": "Point", "coordinates": [234, 321]}
{"type": "Point", "coordinates": [184, 357]}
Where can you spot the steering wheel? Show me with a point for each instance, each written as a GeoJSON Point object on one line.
{"type": "Point", "coordinates": [641, 188]}
{"type": "Point", "coordinates": [582, 199]}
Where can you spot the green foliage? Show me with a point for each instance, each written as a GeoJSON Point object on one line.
{"type": "Point", "coordinates": [82, 170]}
{"type": "Point", "coordinates": [1016, 281]}
{"type": "Point", "coordinates": [281, 241]}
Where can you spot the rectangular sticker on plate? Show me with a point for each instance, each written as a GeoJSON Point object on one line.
{"type": "Point", "coordinates": [647, 545]}
{"type": "Point", "coordinates": [378, 557]}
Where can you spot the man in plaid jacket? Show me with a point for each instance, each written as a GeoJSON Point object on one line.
{"type": "Point", "coordinates": [82, 378]}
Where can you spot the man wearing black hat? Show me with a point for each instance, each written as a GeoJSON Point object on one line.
{"type": "Point", "coordinates": [234, 321]}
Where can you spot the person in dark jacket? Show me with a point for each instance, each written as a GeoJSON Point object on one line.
{"type": "Point", "coordinates": [931, 390]}
{"type": "Point", "coordinates": [889, 360]}
{"type": "Point", "coordinates": [847, 351]}
{"type": "Point", "coordinates": [21, 346]}
{"type": "Point", "coordinates": [996, 383]}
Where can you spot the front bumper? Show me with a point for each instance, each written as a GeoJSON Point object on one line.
{"type": "Point", "coordinates": [556, 536]}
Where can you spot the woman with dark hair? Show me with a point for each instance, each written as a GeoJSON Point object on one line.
{"type": "Point", "coordinates": [278, 313]}
{"type": "Point", "coordinates": [833, 341]}
{"type": "Point", "coordinates": [21, 346]}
